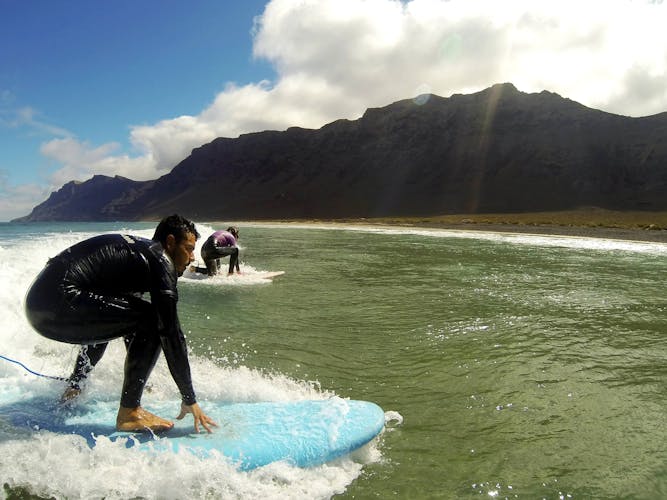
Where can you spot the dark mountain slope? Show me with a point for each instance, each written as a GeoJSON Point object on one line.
{"type": "Point", "coordinates": [498, 150]}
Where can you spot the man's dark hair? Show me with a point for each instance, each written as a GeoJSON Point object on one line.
{"type": "Point", "coordinates": [234, 231]}
{"type": "Point", "coordinates": [177, 225]}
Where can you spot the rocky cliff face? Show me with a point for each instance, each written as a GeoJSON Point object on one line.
{"type": "Point", "coordinates": [93, 200]}
{"type": "Point", "coordinates": [498, 150]}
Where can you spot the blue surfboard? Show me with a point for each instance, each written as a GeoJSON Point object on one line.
{"type": "Point", "coordinates": [303, 433]}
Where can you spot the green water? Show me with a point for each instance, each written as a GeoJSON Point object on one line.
{"type": "Point", "coordinates": [520, 370]}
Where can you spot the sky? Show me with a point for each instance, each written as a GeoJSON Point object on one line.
{"type": "Point", "coordinates": [130, 87]}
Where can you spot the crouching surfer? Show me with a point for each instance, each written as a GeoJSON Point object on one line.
{"type": "Point", "coordinates": [91, 293]}
{"type": "Point", "coordinates": [221, 244]}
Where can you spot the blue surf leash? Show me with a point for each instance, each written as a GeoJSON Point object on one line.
{"type": "Point", "coordinates": [31, 371]}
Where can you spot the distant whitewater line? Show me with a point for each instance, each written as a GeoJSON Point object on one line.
{"type": "Point", "coordinates": [518, 238]}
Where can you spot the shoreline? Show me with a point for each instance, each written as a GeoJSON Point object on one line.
{"type": "Point", "coordinates": [643, 235]}
{"type": "Point", "coordinates": [586, 224]}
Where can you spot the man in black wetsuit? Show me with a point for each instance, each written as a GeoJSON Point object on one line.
{"type": "Point", "coordinates": [91, 293]}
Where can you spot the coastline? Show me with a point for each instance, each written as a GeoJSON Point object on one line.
{"type": "Point", "coordinates": [585, 223]}
{"type": "Point", "coordinates": [645, 235]}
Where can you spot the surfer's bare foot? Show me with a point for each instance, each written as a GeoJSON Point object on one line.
{"type": "Point", "coordinates": [138, 420]}
{"type": "Point", "coordinates": [70, 394]}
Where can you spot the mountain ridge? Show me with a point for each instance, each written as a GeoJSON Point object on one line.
{"type": "Point", "coordinates": [497, 150]}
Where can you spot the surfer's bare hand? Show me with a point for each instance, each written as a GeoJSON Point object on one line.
{"type": "Point", "coordinates": [199, 416]}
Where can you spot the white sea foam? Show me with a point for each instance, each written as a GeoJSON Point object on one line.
{"type": "Point", "coordinates": [574, 242]}
{"type": "Point", "coordinates": [64, 466]}
{"type": "Point", "coordinates": [249, 276]}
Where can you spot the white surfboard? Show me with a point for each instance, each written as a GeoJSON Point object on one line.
{"type": "Point", "coordinates": [268, 274]}
{"type": "Point", "coordinates": [248, 275]}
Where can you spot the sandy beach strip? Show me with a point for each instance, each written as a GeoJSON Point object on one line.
{"type": "Point", "coordinates": [586, 223]}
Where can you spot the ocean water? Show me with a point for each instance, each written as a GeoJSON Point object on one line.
{"type": "Point", "coordinates": [508, 366]}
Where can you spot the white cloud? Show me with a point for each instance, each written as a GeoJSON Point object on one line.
{"type": "Point", "coordinates": [16, 201]}
{"type": "Point", "coordinates": [25, 117]}
{"type": "Point", "coordinates": [380, 50]}
{"type": "Point", "coordinates": [80, 160]}
{"type": "Point", "coordinates": [335, 58]}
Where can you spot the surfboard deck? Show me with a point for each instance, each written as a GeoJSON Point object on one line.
{"type": "Point", "coordinates": [201, 273]}
{"type": "Point", "coordinates": [303, 433]}
{"type": "Point", "coordinates": [269, 274]}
